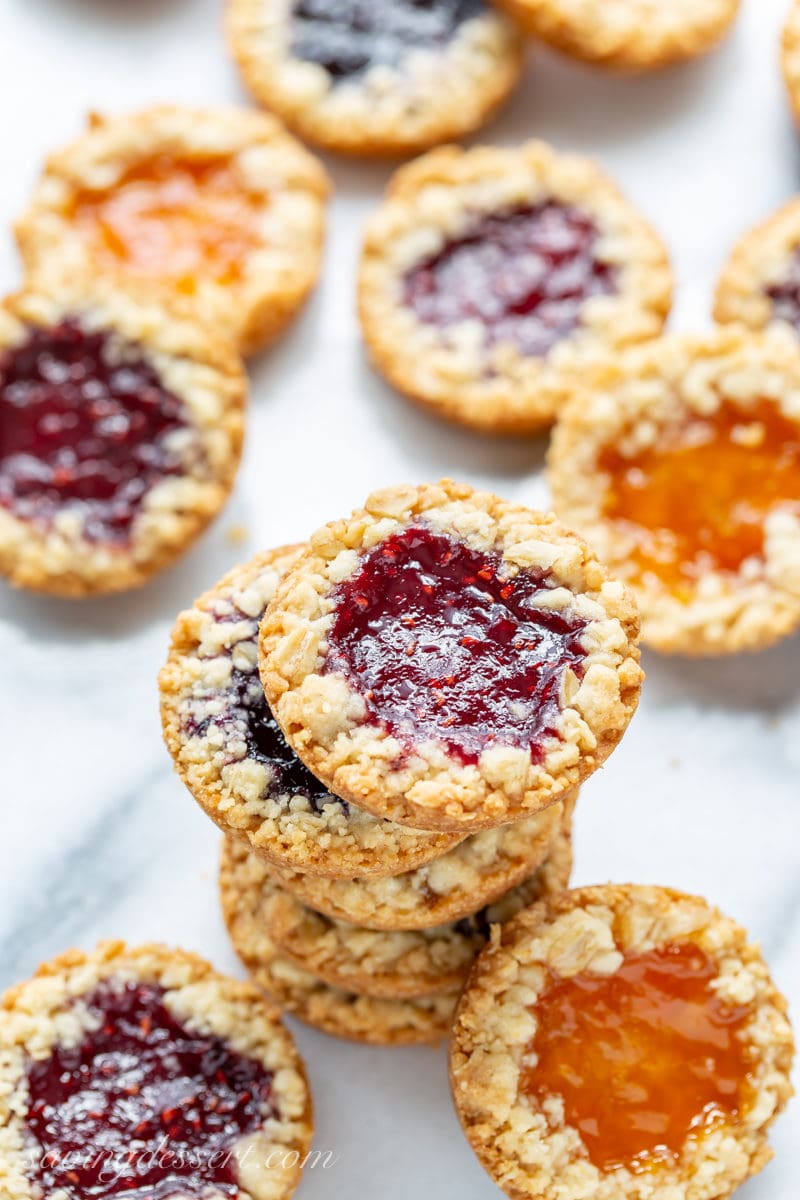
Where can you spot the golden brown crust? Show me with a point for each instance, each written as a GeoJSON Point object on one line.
{"type": "Point", "coordinates": [628, 402]}
{"type": "Point", "coordinates": [206, 375]}
{"type": "Point", "coordinates": [289, 184]}
{"type": "Point", "coordinates": [496, 389]}
{"type": "Point", "coordinates": [760, 260]}
{"type": "Point", "coordinates": [430, 97]}
{"type": "Point", "coordinates": [533, 1152]}
{"type": "Point", "coordinates": [626, 35]}
{"type": "Point", "coordinates": [325, 720]}
{"type": "Point", "coordinates": [46, 1010]}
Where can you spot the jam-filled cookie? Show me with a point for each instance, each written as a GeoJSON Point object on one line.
{"type": "Point", "coordinates": [381, 1021]}
{"type": "Point", "coordinates": [790, 57]}
{"type": "Point", "coordinates": [121, 429]}
{"type": "Point", "coordinates": [760, 284]}
{"type": "Point", "coordinates": [234, 759]}
{"type": "Point", "coordinates": [450, 660]}
{"type": "Point", "coordinates": [387, 78]}
{"type": "Point", "coordinates": [476, 873]}
{"type": "Point", "coordinates": [396, 964]}
{"type": "Point", "coordinates": [142, 1072]}
{"type": "Point", "coordinates": [626, 35]}
{"type": "Point", "coordinates": [623, 1043]}
{"type": "Point", "coordinates": [217, 209]}
{"type": "Point", "coordinates": [680, 463]}
{"type": "Point", "coordinates": [488, 276]}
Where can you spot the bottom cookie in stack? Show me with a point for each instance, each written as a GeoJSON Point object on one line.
{"type": "Point", "coordinates": [386, 986]}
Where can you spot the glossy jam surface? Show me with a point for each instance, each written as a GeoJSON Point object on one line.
{"type": "Point", "coordinates": [643, 1059]}
{"type": "Point", "coordinates": [524, 274]}
{"type": "Point", "coordinates": [785, 296]}
{"type": "Point", "coordinates": [442, 646]}
{"type": "Point", "coordinates": [84, 427]}
{"type": "Point", "coordinates": [347, 37]}
{"type": "Point", "coordinates": [698, 500]}
{"type": "Point", "coordinates": [143, 1108]}
{"type": "Point", "coordinates": [173, 220]}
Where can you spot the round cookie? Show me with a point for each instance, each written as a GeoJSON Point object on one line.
{"type": "Point", "coordinates": [401, 963]}
{"type": "Point", "coordinates": [217, 209]}
{"type": "Point", "coordinates": [388, 79]}
{"type": "Point", "coordinates": [121, 429]}
{"type": "Point", "coordinates": [790, 57]}
{"type": "Point", "coordinates": [489, 275]}
{"type": "Point", "coordinates": [760, 283]}
{"type": "Point", "coordinates": [378, 1021]}
{"type": "Point", "coordinates": [450, 660]}
{"type": "Point", "coordinates": [106, 1058]}
{"type": "Point", "coordinates": [626, 35]}
{"type": "Point", "coordinates": [233, 758]}
{"type": "Point", "coordinates": [715, 418]}
{"type": "Point", "coordinates": [623, 1043]}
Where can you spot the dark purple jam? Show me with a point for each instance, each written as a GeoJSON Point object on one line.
{"type": "Point", "coordinates": [443, 646]}
{"type": "Point", "coordinates": [785, 296]}
{"type": "Point", "coordinates": [83, 428]}
{"type": "Point", "coordinates": [524, 274]}
{"type": "Point", "coordinates": [347, 37]}
{"type": "Point", "coordinates": [143, 1107]}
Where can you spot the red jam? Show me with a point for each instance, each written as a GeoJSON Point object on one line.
{"type": "Point", "coordinates": [785, 296]}
{"type": "Point", "coordinates": [83, 427]}
{"type": "Point", "coordinates": [643, 1059]}
{"type": "Point", "coordinates": [443, 646]}
{"type": "Point", "coordinates": [143, 1108]}
{"type": "Point", "coordinates": [524, 274]}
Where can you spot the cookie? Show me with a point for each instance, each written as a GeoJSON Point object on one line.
{"type": "Point", "coordinates": [233, 758]}
{"type": "Point", "coordinates": [217, 209]}
{"type": "Point", "coordinates": [121, 430]}
{"type": "Point", "coordinates": [400, 964]}
{"type": "Point", "coordinates": [489, 275]}
{"type": "Point", "coordinates": [790, 57]}
{"type": "Point", "coordinates": [386, 79]}
{"type": "Point", "coordinates": [144, 1069]}
{"type": "Point", "coordinates": [623, 1043]}
{"type": "Point", "coordinates": [716, 419]}
{"type": "Point", "coordinates": [448, 659]}
{"type": "Point", "coordinates": [626, 35]}
{"type": "Point", "coordinates": [345, 1014]}
{"type": "Point", "coordinates": [480, 870]}
{"type": "Point", "coordinates": [760, 284]}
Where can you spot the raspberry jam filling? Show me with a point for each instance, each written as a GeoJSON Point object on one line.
{"type": "Point", "coordinates": [347, 37]}
{"type": "Point", "coordinates": [643, 1059]}
{"type": "Point", "coordinates": [84, 426]}
{"type": "Point", "coordinates": [737, 467]}
{"type": "Point", "coordinates": [523, 274]}
{"type": "Point", "coordinates": [785, 296]}
{"type": "Point", "coordinates": [174, 220]}
{"type": "Point", "coordinates": [143, 1107]}
{"type": "Point", "coordinates": [443, 646]}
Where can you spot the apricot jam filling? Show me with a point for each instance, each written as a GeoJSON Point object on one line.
{"type": "Point", "coordinates": [444, 645]}
{"type": "Point", "coordinates": [643, 1059]}
{"type": "Point", "coordinates": [181, 221]}
{"type": "Point", "coordinates": [698, 500]}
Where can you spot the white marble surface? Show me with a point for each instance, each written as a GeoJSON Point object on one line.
{"type": "Point", "coordinates": [97, 837]}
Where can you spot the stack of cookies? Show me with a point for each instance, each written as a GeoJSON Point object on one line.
{"type": "Point", "coordinates": [391, 724]}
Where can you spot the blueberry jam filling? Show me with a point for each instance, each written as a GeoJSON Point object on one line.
{"type": "Point", "coordinates": [84, 427]}
{"type": "Point", "coordinates": [523, 274]}
{"type": "Point", "coordinates": [143, 1108]}
{"type": "Point", "coordinates": [443, 646]}
{"type": "Point", "coordinates": [347, 37]}
{"type": "Point", "coordinates": [785, 296]}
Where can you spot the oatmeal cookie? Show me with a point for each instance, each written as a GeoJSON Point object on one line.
{"type": "Point", "coordinates": [235, 761]}
{"type": "Point", "coordinates": [790, 57]}
{"type": "Point", "coordinates": [121, 430]}
{"type": "Point", "coordinates": [219, 210]}
{"type": "Point", "coordinates": [626, 35]}
{"type": "Point", "coordinates": [716, 419]}
{"type": "Point", "coordinates": [450, 660]}
{"type": "Point", "coordinates": [390, 78]}
{"type": "Point", "coordinates": [488, 276]}
{"type": "Point", "coordinates": [623, 1043]}
{"type": "Point", "coordinates": [760, 284]}
{"type": "Point", "coordinates": [106, 1057]}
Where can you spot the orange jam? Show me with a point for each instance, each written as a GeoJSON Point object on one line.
{"type": "Point", "coordinates": [643, 1058]}
{"type": "Point", "coordinates": [697, 501]}
{"type": "Point", "coordinates": [175, 220]}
